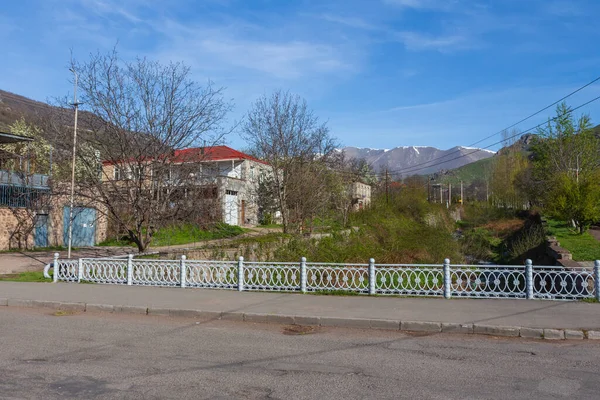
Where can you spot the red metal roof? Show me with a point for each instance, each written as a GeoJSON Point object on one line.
{"type": "Point", "coordinates": [204, 154]}
{"type": "Point", "coordinates": [212, 153]}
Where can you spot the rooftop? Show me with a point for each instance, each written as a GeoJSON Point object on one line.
{"type": "Point", "coordinates": [200, 154]}
{"type": "Point", "coordinates": [212, 153]}
{"type": "Point", "coordinates": [6, 138]}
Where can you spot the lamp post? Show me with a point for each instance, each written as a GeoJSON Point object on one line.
{"type": "Point", "coordinates": [76, 105]}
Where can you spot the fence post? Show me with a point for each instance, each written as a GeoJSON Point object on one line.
{"type": "Point", "coordinates": [303, 274]}
{"type": "Point", "coordinates": [529, 278]}
{"type": "Point", "coordinates": [55, 268]}
{"type": "Point", "coordinates": [182, 271]}
{"type": "Point", "coordinates": [241, 274]}
{"type": "Point", "coordinates": [372, 276]}
{"type": "Point", "coordinates": [79, 270]}
{"type": "Point", "coordinates": [447, 279]}
{"type": "Point", "coordinates": [130, 269]}
{"type": "Point", "coordinates": [597, 278]}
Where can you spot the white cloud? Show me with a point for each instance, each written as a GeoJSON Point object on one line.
{"type": "Point", "coordinates": [443, 5]}
{"type": "Point", "coordinates": [446, 43]}
{"type": "Point", "coordinates": [352, 22]}
{"type": "Point", "coordinates": [226, 48]}
{"type": "Point", "coordinates": [113, 8]}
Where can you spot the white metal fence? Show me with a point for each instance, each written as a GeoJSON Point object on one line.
{"type": "Point", "coordinates": [489, 281]}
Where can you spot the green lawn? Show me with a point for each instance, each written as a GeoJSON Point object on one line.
{"type": "Point", "coordinates": [184, 234]}
{"type": "Point", "coordinates": [36, 276]}
{"type": "Point", "coordinates": [37, 249]}
{"type": "Point", "coordinates": [583, 247]}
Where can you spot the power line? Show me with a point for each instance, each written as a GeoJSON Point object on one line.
{"type": "Point", "coordinates": [513, 125]}
{"type": "Point", "coordinates": [413, 169]}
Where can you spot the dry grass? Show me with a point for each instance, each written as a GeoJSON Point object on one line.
{"type": "Point", "coordinates": [505, 227]}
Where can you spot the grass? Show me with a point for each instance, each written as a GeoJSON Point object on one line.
{"type": "Point", "coordinates": [271, 226]}
{"type": "Point", "coordinates": [583, 247]}
{"type": "Point", "coordinates": [37, 249]}
{"type": "Point", "coordinates": [272, 237]}
{"type": "Point", "coordinates": [183, 234]}
{"type": "Point", "coordinates": [589, 300]}
{"type": "Point", "coordinates": [35, 276]}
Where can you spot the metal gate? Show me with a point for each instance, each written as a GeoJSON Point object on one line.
{"type": "Point", "coordinates": [84, 226]}
{"type": "Point", "coordinates": [40, 235]}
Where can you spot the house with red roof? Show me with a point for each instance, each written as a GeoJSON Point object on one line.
{"type": "Point", "coordinates": [228, 179]}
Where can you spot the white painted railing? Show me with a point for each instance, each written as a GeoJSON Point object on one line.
{"type": "Point", "coordinates": [488, 281]}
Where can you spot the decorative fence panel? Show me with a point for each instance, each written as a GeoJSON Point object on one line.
{"type": "Point", "coordinates": [156, 272]}
{"type": "Point", "coordinates": [345, 277]}
{"type": "Point", "coordinates": [413, 280]}
{"type": "Point", "coordinates": [212, 274]}
{"type": "Point", "coordinates": [104, 271]}
{"type": "Point", "coordinates": [473, 281]}
{"type": "Point", "coordinates": [485, 281]}
{"type": "Point", "coordinates": [271, 276]}
{"type": "Point", "coordinates": [66, 270]}
{"type": "Point", "coordinates": [558, 283]}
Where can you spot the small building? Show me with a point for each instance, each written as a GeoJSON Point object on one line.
{"type": "Point", "coordinates": [31, 215]}
{"type": "Point", "coordinates": [361, 195]}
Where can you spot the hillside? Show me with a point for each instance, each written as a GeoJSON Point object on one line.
{"type": "Point", "coordinates": [479, 170]}
{"type": "Point", "coordinates": [14, 107]}
{"type": "Point", "coordinates": [469, 173]}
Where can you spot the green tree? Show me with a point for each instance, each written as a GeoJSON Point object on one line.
{"type": "Point", "coordinates": [566, 164]}
{"type": "Point", "coordinates": [577, 201]}
{"type": "Point", "coordinates": [31, 156]}
{"type": "Point", "coordinates": [506, 168]}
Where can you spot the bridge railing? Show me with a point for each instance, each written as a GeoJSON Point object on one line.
{"type": "Point", "coordinates": [447, 280]}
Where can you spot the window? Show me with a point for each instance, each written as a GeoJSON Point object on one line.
{"type": "Point", "coordinates": [120, 172]}
{"type": "Point", "coordinates": [137, 172]}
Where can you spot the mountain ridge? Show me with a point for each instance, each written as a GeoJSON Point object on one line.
{"type": "Point", "coordinates": [417, 160]}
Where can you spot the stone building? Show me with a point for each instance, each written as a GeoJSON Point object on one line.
{"type": "Point", "coordinates": [32, 214]}
{"type": "Point", "coordinates": [225, 181]}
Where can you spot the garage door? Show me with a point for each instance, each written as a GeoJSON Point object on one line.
{"type": "Point", "coordinates": [84, 226]}
{"type": "Point", "coordinates": [231, 207]}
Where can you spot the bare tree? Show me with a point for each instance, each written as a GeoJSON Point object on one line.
{"type": "Point", "coordinates": [285, 133]}
{"type": "Point", "coordinates": [140, 112]}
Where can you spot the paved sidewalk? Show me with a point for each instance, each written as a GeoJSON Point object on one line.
{"type": "Point", "coordinates": [22, 261]}
{"type": "Point", "coordinates": [418, 314]}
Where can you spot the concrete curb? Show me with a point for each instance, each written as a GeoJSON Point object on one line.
{"type": "Point", "coordinates": [360, 323]}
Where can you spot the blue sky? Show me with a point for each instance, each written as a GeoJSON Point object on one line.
{"type": "Point", "coordinates": [383, 73]}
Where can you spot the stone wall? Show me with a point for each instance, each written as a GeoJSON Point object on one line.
{"type": "Point", "coordinates": [8, 224]}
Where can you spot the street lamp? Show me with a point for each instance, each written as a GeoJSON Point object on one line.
{"type": "Point", "coordinates": [76, 104]}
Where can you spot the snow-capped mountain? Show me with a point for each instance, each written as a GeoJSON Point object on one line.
{"type": "Point", "coordinates": [417, 160]}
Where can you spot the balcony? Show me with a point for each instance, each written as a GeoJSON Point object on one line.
{"type": "Point", "coordinates": [14, 178]}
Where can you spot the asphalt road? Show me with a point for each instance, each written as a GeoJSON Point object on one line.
{"type": "Point", "coordinates": [87, 356]}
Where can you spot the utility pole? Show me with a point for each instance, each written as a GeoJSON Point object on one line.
{"type": "Point", "coordinates": [449, 194]}
{"type": "Point", "coordinates": [76, 105]}
{"type": "Point", "coordinates": [441, 194]}
{"type": "Point", "coordinates": [428, 180]}
{"type": "Point", "coordinates": [461, 194]}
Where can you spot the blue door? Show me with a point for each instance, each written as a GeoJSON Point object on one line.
{"type": "Point", "coordinates": [40, 235]}
{"type": "Point", "coordinates": [84, 227]}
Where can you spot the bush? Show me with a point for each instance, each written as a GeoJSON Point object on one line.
{"type": "Point", "coordinates": [526, 240]}
{"type": "Point", "coordinates": [391, 233]}
{"type": "Point", "coordinates": [479, 244]}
